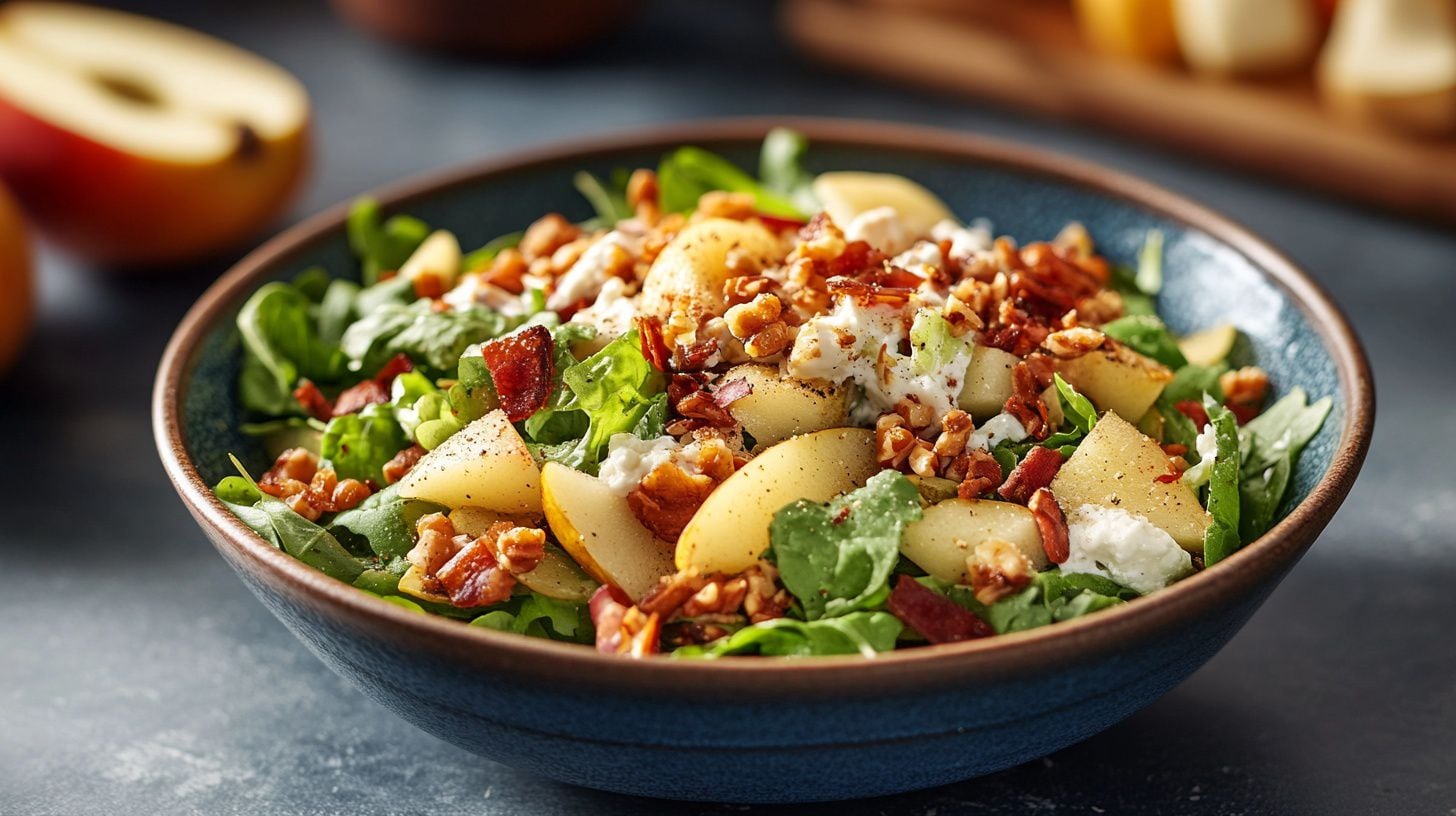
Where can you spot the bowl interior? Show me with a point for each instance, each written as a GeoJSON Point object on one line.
{"type": "Point", "coordinates": [1206, 280]}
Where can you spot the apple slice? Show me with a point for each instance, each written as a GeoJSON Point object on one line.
{"type": "Point", "coordinates": [947, 534]}
{"type": "Point", "coordinates": [557, 576]}
{"type": "Point", "coordinates": [135, 141]}
{"type": "Point", "coordinates": [485, 464]}
{"type": "Point", "coordinates": [597, 528]}
{"type": "Point", "coordinates": [846, 194]}
{"type": "Point", "coordinates": [1393, 62]}
{"type": "Point", "coordinates": [1210, 346]}
{"type": "Point", "coordinates": [780, 406]}
{"type": "Point", "coordinates": [730, 530]}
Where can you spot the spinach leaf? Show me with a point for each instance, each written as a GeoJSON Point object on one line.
{"type": "Point", "coordinates": [383, 246]}
{"type": "Point", "coordinates": [237, 490]}
{"type": "Point", "coordinates": [1052, 596]}
{"type": "Point", "coordinates": [863, 633]}
{"type": "Point", "coordinates": [781, 166]}
{"type": "Point", "coordinates": [1076, 408]}
{"type": "Point", "coordinates": [298, 536]}
{"type": "Point", "coordinates": [1273, 441]}
{"type": "Point", "coordinates": [336, 310]}
{"type": "Point", "coordinates": [358, 446]}
{"type": "Point", "coordinates": [536, 615]}
{"type": "Point", "coordinates": [429, 338]}
{"type": "Point", "coordinates": [1147, 335]}
{"type": "Point", "coordinates": [384, 522]}
{"type": "Point", "coordinates": [281, 343]}
{"type": "Point", "coordinates": [837, 557]}
{"type": "Point", "coordinates": [685, 174]}
{"type": "Point", "coordinates": [1222, 537]}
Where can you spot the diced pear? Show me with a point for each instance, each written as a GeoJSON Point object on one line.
{"type": "Point", "coordinates": [847, 194]}
{"type": "Point", "coordinates": [557, 576]}
{"type": "Point", "coordinates": [485, 464]}
{"type": "Point", "coordinates": [438, 257]}
{"type": "Point", "coordinates": [942, 540]}
{"type": "Point", "coordinates": [1116, 466]}
{"type": "Point", "coordinates": [598, 529]}
{"type": "Point", "coordinates": [412, 584]}
{"type": "Point", "coordinates": [781, 406]}
{"type": "Point", "coordinates": [1117, 379]}
{"type": "Point", "coordinates": [1393, 62]}
{"type": "Point", "coordinates": [1210, 346]}
{"type": "Point", "coordinates": [1247, 37]}
{"type": "Point", "coordinates": [688, 275]}
{"type": "Point", "coordinates": [729, 532]}
{"type": "Point", "coordinates": [988, 382]}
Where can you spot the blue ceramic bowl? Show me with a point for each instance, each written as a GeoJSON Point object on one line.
{"type": "Point", "coordinates": [783, 730]}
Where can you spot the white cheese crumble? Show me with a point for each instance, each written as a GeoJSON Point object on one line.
{"type": "Point", "coordinates": [612, 312]}
{"type": "Point", "coordinates": [471, 291]}
{"type": "Point", "coordinates": [1128, 549]}
{"type": "Point", "coordinates": [914, 259]}
{"type": "Point", "coordinates": [881, 228]}
{"type": "Point", "coordinates": [630, 458]}
{"type": "Point", "coordinates": [1206, 443]}
{"type": "Point", "coordinates": [585, 278]}
{"type": "Point", "coordinates": [846, 345]}
{"type": "Point", "coordinates": [965, 242]}
{"type": "Point", "coordinates": [1000, 428]}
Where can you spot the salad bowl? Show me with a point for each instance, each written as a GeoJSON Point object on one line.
{"type": "Point", "coordinates": [785, 729]}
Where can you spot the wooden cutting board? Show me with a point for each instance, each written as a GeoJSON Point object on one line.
{"type": "Point", "coordinates": [1027, 54]}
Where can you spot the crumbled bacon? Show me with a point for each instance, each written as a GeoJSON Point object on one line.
{"type": "Point", "coordinates": [402, 463]}
{"type": "Point", "coordinates": [622, 628]}
{"type": "Point", "coordinates": [1035, 472]}
{"type": "Point", "coordinates": [780, 223]}
{"type": "Point", "coordinates": [1029, 378]}
{"type": "Point", "coordinates": [521, 365]}
{"type": "Point", "coordinates": [356, 398]}
{"type": "Point", "coordinates": [694, 356]}
{"type": "Point", "coordinates": [1194, 411]}
{"type": "Point", "coordinates": [1051, 524]}
{"type": "Point", "coordinates": [654, 346]}
{"type": "Point", "coordinates": [934, 616]}
{"type": "Point", "coordinates": [696, 406]}
{"type": "Point", "coordinates": [310, 490]}
{"type": "Point", "coordinates": [869, 294]}
{"type": "Point", "coordinates": [474, 577]}
{"type": "Point", "coordinates": [397, 365]}
{"type": "Point", "coordinates": [314, 403]}
{"type": "Point", "coordinates": [731, 391]}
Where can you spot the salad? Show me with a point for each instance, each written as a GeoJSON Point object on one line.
{"type": "Point", "coordinates": [794, 414]}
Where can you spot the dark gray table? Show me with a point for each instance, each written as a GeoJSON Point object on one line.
{"type": "Point", "coordinates": [137, 676]}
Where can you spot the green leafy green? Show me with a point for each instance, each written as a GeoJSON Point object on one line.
{"type": "Point", "coordinates": [536, 615]}
{"type": "Point", "coordinates": [336, 310]}
{"type": "Point", "coordinates": [1076, 408]}
{"type": "Point", "coordinates": [294, 534]}
{"type": "Point", "coordinates": [382, 246]}
{"type": "Point", "coordinates": [610, 203]}
{"type": "Point", "coordinates": [837, 557]}
{"type": "Point", "coordinates": [1273, 441]}
{"type": "Point", "coordinates": [384, 522]}
{"type": "Point", "coordinates": [478, 258]}
{"type": "Point", "coordinates": [358, 446]}
{"type": "Point", "coordinates": [781, 166]}
{"type": "Point", "coordinates": [1150, 264]}
{"type": "Point", "coordinates": [1147, 335]}
{"type": "Point", "coordinates": [1222, 537]}
{"type": "Point", "coordinates": [429, 338]}
{"type": "Point", "coordinates": [932, 343]}
{"type": "Point", "coordinates": [685, 174]}
{"type": "Point", "coordinates": [281, 343]}
{"type": "Point", "coordinates": [1051, 597]}
{"type": "Point", "coordinates": [1189, 383]}
{"type": "Point", "coordinates": [864, 633]}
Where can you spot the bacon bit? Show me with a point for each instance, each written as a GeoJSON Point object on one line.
{"type": "Point", "coordinates": [1035, 472]}
{"type": "Point", "coordinates": [1053, 527]}
{"type": "Point", "coordinates": [1168, 478]}
{"type": "Point", "coordinates": [397, 365]}
{"type": "Point", "coordinates": [1029, 378]}
{"type": "Point", "coordinates": [568, 311]}
{"type": "Point", "coordinates": [402, 463]}
{"type": "Point", "coordinates": [1174, 449]}
{"type": "Point", "coordinates": [654, 347]}
{"type": "Point", "coordinates": [732, 391]}
{"type": "Point", "coordinates": [694, 357]}
{"type": "Point", "coordinates": [314, 403]}
{"type": "Point", "coordinates": [356, 398]}
{"type": "Point", "coordinates": [983, 474]}
{"type": "Point", "coordinates": [429, 286]}
{"type": "Point", "coordinates": [868, 294]}
{"type": "Point", "coordinates": [1194, 411]}
{"type": "Point", "coordinates": [473, 576]}
{"type": "Point", "coordinates": [622, 628]}
{"type": "Point", "coordinates": [522, 365]}
{"type": "Point", "coordinates": [934, 616]}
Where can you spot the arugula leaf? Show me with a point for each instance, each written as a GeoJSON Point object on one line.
{"type": "Point", "coordinates": [781, 166]}
{"type": "Point", "coordinates": [476, 259]}
{"type": "Point", "coordinates": [281, 343]}
{"type": "Point", "coordinates": [1076, 408]}
{"type": "Point", "coordinates": [612, 390]}
{"type": "Point", "coordinates": [358, 446]}
{"type": "Point", "coordinates": [430, 338]}
{"type": "Point", "coordinates": [1222, 537]}
{"type": "Point", "coordinates": [385, 522]}
{"type": "Point", "coordinates": [837, 557]}
{"type": "Point", "coordinates": [863, 633]}
{"type": "Point", "coordinates": [296, 535]}
{"type": "Point", "coordinates": [1147, 335]}
{"type": "Point", "coordinates": [685, 174]}
{"type": "Point", "coordinates": [1149, 277]}
{"type": "Point", "coordinates": [1273, 441]}
{"type": "Point", "coordinates": [386, 246]}
{"type": "Point", "coordinates": [610, 203]}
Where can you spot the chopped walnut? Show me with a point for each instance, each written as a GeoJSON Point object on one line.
{"type": "Point", "coordinates": [961, 317]}
{"type": "Point", "coordinates": [956, 427]}
{"type": "Point", "coordinates": [643, 195]}
{"type": "Point", "coordinates": [723, 204]}
{"type": "Point", "coordinates": [548, 234]}
{"type": "Point", "coordinates": [977, 471]}
{"type": "Point", "coordinates": [668, 497]}
{"type": "Point", "coordinates": [719, 596]}
{"type": "Point", "coordinates": [402, 463]}
{"type": "Point", "coordinates": [765, 599]}
{"type": "Point", "coordinates": [893, 441]}
{"type": "Point", "coordinates": [507, 270]}
{"type": "Point", "coordinates": [308, 489]}
{"type": "Point", "coordinates": [997, 569]}
{"type": "Point", "coordinates": [520, 549]}
{"type": "Point", "coordinates": [759, 325]}
{"type": "Point", "coordinates": [435, 543]}
{"type": "Point", "coordinates": [1073, 342]}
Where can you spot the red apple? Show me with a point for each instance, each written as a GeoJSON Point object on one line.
{"type": "Point", "coordinates": [134, 141]}
{"type": "Point", "coordinates": [17, 296]}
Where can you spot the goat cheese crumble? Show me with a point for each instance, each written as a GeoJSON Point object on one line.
{"type": "Point", "coordinates": [881, 228]}
{"type": "Point", "coordinates": [1128, 549]}
{"type": "Point", "coordinates": [585, 278]}
{"type": "Point", "coordinates": [629, 459]}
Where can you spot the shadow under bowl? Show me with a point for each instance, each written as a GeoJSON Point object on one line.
{"type": "Point", "coordinates": [785, 730]}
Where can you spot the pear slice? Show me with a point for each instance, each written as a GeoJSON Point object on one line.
{"type": "Point", "coordinates": [1393, 63]}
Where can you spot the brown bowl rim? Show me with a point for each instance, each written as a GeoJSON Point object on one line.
{"type": "Point", "coordinates": [1010, 655]}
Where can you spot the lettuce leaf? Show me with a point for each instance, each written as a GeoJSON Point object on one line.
{"type": "Point", "coordinates": [1147, 335]}
{"type": "Point", "coordinates": [685, 174]}
{"type": "Point", "coordinates": [1051, 597]}
{"type": "Point", "coordinates": [430, 338]}
{"type": "Point", "coordinates": [382, 246]}
{"type": "Point", "coordinates": [863, 633]}
{"type": "Point", "coordinates": [1222, 537]}
{"type": "Point", "coordinates": [932, 344]}
{"type": "Point", "coordinates": [837, 557]}
{"type": "Point", "coordinates": [536, 615]}
{"type": "Point", "coordinates": [357, 446]}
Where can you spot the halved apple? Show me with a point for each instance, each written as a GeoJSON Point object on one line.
{"type": "Point", "coordinates": [780, 406]}
{"type": "Point", "coordinates": [598, 529]}
{"type": "Point", "coordinates": [942, 540]}
{"type": "Point", "coordinates": [485, 464]}
{"type": "Point", "coordinates": [557, 576]}
{"type": "Point", "coordinates": [134, 141]}
{"type": "Point", "coordinates": [1117, 466]}
{"type": "Point", "coordinates": [846, 194]}
{"type": "Point", "coordinates": [729, 532]}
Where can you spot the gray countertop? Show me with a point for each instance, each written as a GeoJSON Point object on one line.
{"type": "Point", "coordinates": [137, 676]}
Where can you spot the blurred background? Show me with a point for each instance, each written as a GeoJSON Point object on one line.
{"type": "Point", "coordinates": [139, 677]}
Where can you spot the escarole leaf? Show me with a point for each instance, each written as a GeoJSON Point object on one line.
{"type": "Point", "coordinates": [296, 535]}
{"type": "Point", "coordinates": [383, 246]}
{"type": "Point", "coordinates": [685, 174]}
{"type": "Point", "coordinates": [1273, 441]}
{"type": "Point", "coordinates": [281, 343]}
{"type": "Point", "coordinates": [781, 166]}
{"type": "Point", "coordinates": [863, 633]}
{"type": "Point", "coordinates": [1147, 335]}
{"type": "Point", "coordinates": [837, 557]}
{"type": "Point", "coordinates": [1222, 537]}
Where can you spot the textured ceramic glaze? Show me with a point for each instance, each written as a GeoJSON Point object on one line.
{"type": "Point", "coordinates": [783, 731]}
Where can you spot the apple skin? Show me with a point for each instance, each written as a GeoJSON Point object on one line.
{"type": "Point", "coordinates": [129, 211]}
{"type": "Point", "coordinates": [17, 295]}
